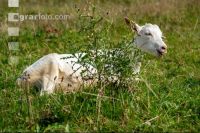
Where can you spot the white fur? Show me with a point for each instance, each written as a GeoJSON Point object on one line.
{"type": "Point", "coordinates": [63, 71]}
{"type": "Point", "coordinates": [149, 39]}
{"type": "Point", "coordinates": [59, 71]}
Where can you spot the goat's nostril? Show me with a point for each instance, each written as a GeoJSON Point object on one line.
{"type": "Point", "coordinates": [163, 48]}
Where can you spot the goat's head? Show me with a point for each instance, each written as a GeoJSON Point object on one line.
{"type": "Point", "coordinates": [148, 38]}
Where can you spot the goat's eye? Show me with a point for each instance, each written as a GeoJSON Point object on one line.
{"type": "Point", "coordinates": [148, 34]}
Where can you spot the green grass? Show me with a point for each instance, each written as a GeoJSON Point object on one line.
{"type": "Point", "coordinates": [167, 100]}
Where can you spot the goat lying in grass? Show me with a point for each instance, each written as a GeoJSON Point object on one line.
{"type": "Point", "coordinates": [64, 71]}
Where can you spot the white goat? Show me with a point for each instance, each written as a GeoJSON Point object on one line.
{"type": "Point", "coordinates": [64, 71]}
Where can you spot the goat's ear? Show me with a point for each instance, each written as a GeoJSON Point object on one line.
{"type": "Point", "coordinates": [134, 27]}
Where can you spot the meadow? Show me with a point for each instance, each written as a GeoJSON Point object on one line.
{"type": "Point", "coordinates": [165, 100]}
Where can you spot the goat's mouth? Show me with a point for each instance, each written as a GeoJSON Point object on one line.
{"type": "Point", "coordinates": [160, 53]}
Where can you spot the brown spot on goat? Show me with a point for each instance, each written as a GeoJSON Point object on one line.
{"type": "Point", "coordinates": [62, 79]}
{"type": "Point", "coordinates": [69, 85]}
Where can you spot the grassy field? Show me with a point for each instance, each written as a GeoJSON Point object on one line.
{"type": "Point", "coordinates": [167, 100]}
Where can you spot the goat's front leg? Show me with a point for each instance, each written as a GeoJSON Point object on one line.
{"type": "Point", "coordinates": [49, 80]}
{"type": "Point", "coordinates": [48, 85]}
